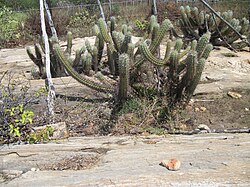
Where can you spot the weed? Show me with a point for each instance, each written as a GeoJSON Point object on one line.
{"type": "Point", "coordinates": [15, 113]}
{"type": "Point", "coordinates": [42, 135]}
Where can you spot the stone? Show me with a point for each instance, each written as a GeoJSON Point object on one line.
{"type": "Point", "coordinates": [203, 109]}
{"type": "Point", "coordinates": [234, 95]}
{"type": "Point", "coordinates": [171, 164]}
{"type": "Point", "coordinates": [204, 128]}
{"type": "Point", "coordinates": [196, 109]}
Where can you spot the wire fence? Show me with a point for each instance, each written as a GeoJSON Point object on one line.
{"type": "Point", "coordinates": [79, 19]}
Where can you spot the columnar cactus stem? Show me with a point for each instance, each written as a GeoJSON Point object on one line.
{"type": "Point", "coordinates": [61, 57]}
{"type": "Point", "coordinates": [37, 59]}
{"type": "Point", "coordinates": [166, 26]}
{"type": "Point", "coordinates": [69, 43]}
{"type": "Point", "coordinates": [123, 77]}
{"type": "Point", "coordinates": [150, 57]}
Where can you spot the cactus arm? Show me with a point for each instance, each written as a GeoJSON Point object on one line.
{"type": "Point", "coordinates": [37, 59]}
{"type": "Point", "coordinates": [126, 41]}
{"type": "Point", "coordinates": [95, 58]}
{"type": "Point", "coordinates": [178, 45]}
{"type": "Point", "coordinates": [168, 50]}
{"type": "Point", "coordinates": [87, 63]}
{"type": "Point", "coordinates": [203, 41]}
{"type": "Point", "coordinates": [69, 43]}
{"type": "Point", "coordinates": [77, 59]}
{"type": "Point", "coordinates": [199, 69]}
{"type": "Point", "coordinates": [61, 57]}
{"type": "Point", "coordinates": [150, 57]}
{"type": "Point", "coordinates": [123, 77]}
{"type": "Point", "coordinates": [207, 51]}
{"type": "Point", "coordinates": [111, 59]}
{"type": "Point", "coordinates": [166, 25]}
{"type": "Point", "coordinates": [104, 31]}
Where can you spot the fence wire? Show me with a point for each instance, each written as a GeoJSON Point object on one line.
{"type": "Point", "coordinates": [79, 19]}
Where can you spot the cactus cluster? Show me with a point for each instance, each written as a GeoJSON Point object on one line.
{"type": "Point", "coordinates": [134, 67]}
{"type": "Point", "coordinates": [195, 23]}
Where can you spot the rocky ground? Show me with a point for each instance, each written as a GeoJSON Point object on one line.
{"type": "Point", "coordinates": [87, 112]}
{"type": "Point", "coordinates": [221, 103]}
{"type": "Point", "coordinates": [206, 160]}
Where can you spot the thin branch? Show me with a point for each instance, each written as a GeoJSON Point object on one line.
{"type": "Point", "coordinates": [222, 37]}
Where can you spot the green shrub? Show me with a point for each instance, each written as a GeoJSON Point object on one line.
{"type": "Point", "coordinates": [15, 113]}
{"type": "Point", "coordinates": [8, 26]}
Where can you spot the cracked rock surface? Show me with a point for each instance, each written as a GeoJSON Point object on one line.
{"type": "Point", "coordinates": [206, 160]}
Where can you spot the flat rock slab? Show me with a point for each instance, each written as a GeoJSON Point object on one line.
{"type": "Point", "coordinates": [206, 160]}
{"type": "Point", "coordinates": [221, 73]}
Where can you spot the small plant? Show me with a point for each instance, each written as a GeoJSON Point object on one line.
{"type": "Point", "coordinates": [141, 26]}
{"type": "Point", "coordinates": [15, 113]}
{"type": "Point", "coordinates": [42, 135]}
{"type": "Point", "coordinates": [83, 19]}
{"type": "Point", "coordinates": [8, 26]}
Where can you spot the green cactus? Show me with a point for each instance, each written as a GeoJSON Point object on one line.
{"type": "Point", "coordinates": [150, 57]}
{"type": "Point", "coordinates": [87, 63]}
{"type": "Point", "coordinates": [69, 43]}
{"type": "Point", "coordinates": [199, 69]}
{"type": "Point", "coordinates": [172, 77]}
{"type": "Point", "coordinates": [123, 77]}
{"type": "Point", "coordinates": [99, 43]}
{"type": "Point", "coordinates": [61, 57]}
{"type": "Point", "coordinates": [37, 59]}
{"type": "Point", "coordinates": [194, 24]}
{"type": "Point", "coordinates": [166, 26]}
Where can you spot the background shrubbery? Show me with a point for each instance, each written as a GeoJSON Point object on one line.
{"type": "Point", "coordinates": [19, 28]}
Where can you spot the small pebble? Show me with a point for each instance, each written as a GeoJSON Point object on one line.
{"type": "Point", "coordinates": [234, 95]}
{"type": "Point", "coordinates": [203, 109]}
{"type": "Point", "coordinates": [172, 164]}
{"type": "Point", "coordinates": [33, 169]}
{"type": "Point", "coordinates": [196, 109]}
{"type": "Point", "coordinates": [203, 127]}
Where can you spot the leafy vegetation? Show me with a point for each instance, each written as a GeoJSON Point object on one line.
{"type": "Point", "coordinates": [16, 115]}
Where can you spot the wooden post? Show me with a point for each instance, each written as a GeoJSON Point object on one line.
{"type": "Point", "coordinates": [51, 89]}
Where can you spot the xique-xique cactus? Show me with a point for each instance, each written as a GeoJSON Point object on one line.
{"type": "Point", "coordinates": [135, 68]}
{"type": "Point", "coordinates": [195, 23]}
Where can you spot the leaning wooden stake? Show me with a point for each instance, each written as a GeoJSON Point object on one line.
{"type": "Point", "coordinates": [51, 24]}
{"type": "Point", "coordinates": [101, 10]}
{"type": "Point", "coordinates": [154, 8]}
{"type": "Point", "coordinates": [51, 89]}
